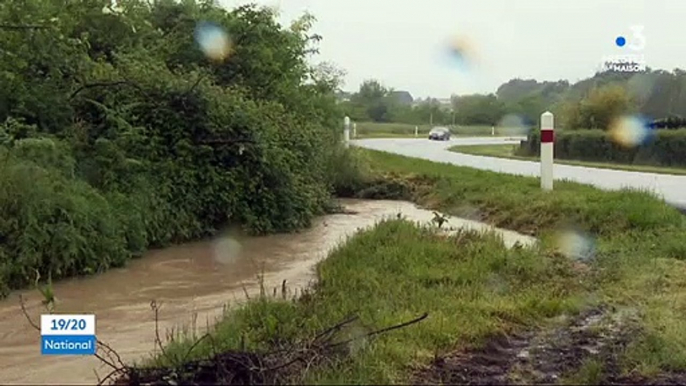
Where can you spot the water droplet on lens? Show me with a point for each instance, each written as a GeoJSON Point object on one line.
{"type": "Point", "coordinates": [630, 131]}
{"type": "Point", "coordinates": [576, 244]}
{"type": "Point", "coordinates": [214, 42]}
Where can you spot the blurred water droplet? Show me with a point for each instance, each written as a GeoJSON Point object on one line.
{"type": "Point", "coordinates": [226, 249]}
{"type": "Point", "coordinates": [630, 131]}
{"type": "Point", "coordinates": [576, 244]}
{"type": "Point", "coordinates": [214, 42]}
{"type": "Point", "coordinates": [461, 53]}
{"type": "Point", "coordinates": [512, 125]}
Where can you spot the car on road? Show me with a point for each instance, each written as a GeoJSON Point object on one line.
{"type": "Point", "coordinates": [440, 134]}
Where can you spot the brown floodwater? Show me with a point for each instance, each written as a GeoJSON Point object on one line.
{"type": "Point", "coordinates": [192, 283]}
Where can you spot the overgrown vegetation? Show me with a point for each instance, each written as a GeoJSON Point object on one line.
{"type": "Point", "coordinates": [118, 134]}
{"type": "Point", "coordinates": [661, 147]}
{"type": "Point", "coordinates": [473, 288]}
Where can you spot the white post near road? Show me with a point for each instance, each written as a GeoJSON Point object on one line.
{"type": "Point", "coordinates": [547, 146]}
{"type": "Point", "coordinates": [354, 129]}
{"type": "Point", "coordinates": [416, 131]}
{"type": "Point", "coordinates": [492, 131]}
{"type": "Point", "coordinates": [346, 131]}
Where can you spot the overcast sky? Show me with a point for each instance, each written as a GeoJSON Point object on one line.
{"type": "Point", "coordinates": [402, 43]}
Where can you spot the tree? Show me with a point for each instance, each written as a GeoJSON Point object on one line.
{"type": "Point", "coordinates": [478, 109]}
{"type": "Point", "coordinates": [601, 107]}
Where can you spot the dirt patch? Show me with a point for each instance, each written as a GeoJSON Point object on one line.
{"type": "Point", "coordinates": [488, 365]}
{"type": "Point", "coordinates": [547, 356]}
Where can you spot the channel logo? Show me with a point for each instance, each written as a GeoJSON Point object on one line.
{"type": "Point", "coordinates": [632, 60]}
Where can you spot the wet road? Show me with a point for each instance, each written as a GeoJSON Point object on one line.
{"type": "Point", "coordinates": [670, 187]}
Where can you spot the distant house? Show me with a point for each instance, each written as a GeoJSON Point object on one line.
{"type": "Point", "coordinates": [442, 103]}
{"type": "Point", "coordinates": [343, 96]}
{"type": "Point", "coordinates": [402, 97]}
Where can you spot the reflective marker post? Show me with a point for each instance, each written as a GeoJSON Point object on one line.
{"type": "Point", "coordinates": [346, 131]}
{"type": "Point", "coordinates": [547, 146]}
{"type": "Point", "coordinates": [354, 129]}
{"type": "Point", "coordinates": [68, 334]}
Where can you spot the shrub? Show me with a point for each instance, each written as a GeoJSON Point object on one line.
{"type": "Point", "coordinates": [665, 148]}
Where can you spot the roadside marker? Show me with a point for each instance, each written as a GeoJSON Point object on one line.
{"type": "Point", "coordinates": [346, 131]}
{"type": "Point", "coordinates": [547, 146]}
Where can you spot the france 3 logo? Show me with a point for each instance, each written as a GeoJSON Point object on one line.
{"type": "Point", "coordinates": [628, 62]}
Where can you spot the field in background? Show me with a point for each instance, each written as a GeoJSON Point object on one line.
{"type": "Point", "coordinates": [508, 151]}
{"type": "Point", "coordinates": [404, 130]}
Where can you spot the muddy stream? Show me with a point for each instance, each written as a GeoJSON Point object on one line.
{"type": "Point", "coordinates": [192, 282]}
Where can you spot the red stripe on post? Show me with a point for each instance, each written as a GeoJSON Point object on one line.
{"type": "Point", "coordinates": [547, 136]}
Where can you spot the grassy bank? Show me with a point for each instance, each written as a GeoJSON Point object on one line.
{"type": "Point", "coordinates": [470, 286]}
{"type": "Point", "coordinates": [508, 151]}
{"type": "Point", "coordinates": [404, 130]}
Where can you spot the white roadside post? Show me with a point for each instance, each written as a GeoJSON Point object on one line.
{"type": "Point", "coordinates": [354, 129]}
{"type": "Point", "coordinates": [492, 131]}
{"type": "Point", "coordinates": [346, 131]}
{"type": "Point", "coordinates": [547, 146]}
{"type": "Point", "coordinates": [416, 131]}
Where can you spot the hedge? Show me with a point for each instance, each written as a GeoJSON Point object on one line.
{"type": "Point", "coordinates": [663, 148]}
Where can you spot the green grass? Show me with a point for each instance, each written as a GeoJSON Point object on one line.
{"type": "Point", "coordinates": [507, 151]}
{"type": "Point", "coordinates": [472, 286]}
{"type": "Point", "coordinates": [404, 130]}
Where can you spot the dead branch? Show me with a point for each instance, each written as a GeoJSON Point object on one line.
{"type": "Point", "coordinates": [220, 141]}
{"type": "Point", "coordinates": [20, 27]}
{"type": "Point", "coordinates": [194, 345]}
{"type": "Point", "coordinates": [26, 314]}
{"type": "Point", "coordinates": [330, 331]}
{"type": "Point", "coordinates": [102, 84]}
{"type": "Point", "coordinates": [158, 341]}
{"type": "Point", "coordinates": [110, 352]}
{"type": "Point", "coordinates": [197, 82]}
{"type": "Point", "coordinates": [381, 331]}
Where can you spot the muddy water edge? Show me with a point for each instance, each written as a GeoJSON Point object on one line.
{"type": "Point", "coordinates": [192, 283]}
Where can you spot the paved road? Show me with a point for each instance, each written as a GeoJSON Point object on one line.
{"type": "Point", "coordinates": [671, 187]}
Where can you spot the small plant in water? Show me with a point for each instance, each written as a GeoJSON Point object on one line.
{"type": "Point", "coordinates": [439, 219]}
{"type": "Point", "coordinates": [47, 292]}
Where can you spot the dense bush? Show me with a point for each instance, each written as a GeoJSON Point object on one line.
{"type": "Point", "coordinates": [117, 134]}
{"type": "Point", "coordinates": [663, 147]}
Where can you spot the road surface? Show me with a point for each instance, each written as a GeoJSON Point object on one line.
{"type": "Point", "coordinates": [671, 188]}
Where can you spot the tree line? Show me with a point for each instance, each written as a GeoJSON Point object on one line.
{"type": "Point", "coordinates": [658, 95]}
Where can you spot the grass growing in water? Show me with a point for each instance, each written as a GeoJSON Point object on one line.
{"type": "Point", "coordinates": [472, 286]}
